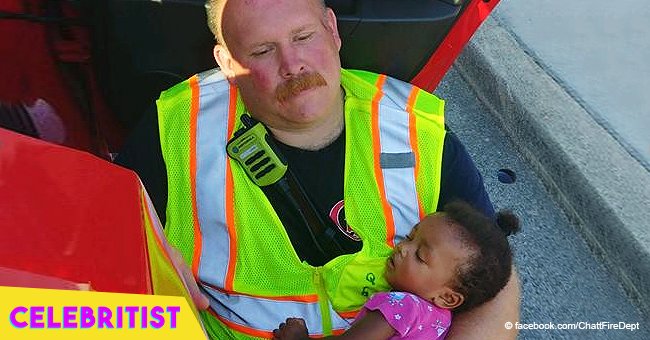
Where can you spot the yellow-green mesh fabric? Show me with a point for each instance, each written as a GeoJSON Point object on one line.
{"type": "Point", "coordinates": [164, 277]}
{"type": "Point", "coordinates": [345, 277]}
{"type": "Point", "coordinates": [174, 121]}
{"type": "Point", "coordinates": [430, 123]}
{"type": "Point", "coordinates": [266, 263]}
{"type": "Point", "coordinates": [363, 208]}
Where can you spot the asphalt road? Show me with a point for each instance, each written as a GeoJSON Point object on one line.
{"type": "Point", "coordinates": [563, 282]}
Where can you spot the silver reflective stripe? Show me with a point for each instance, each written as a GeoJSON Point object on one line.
{"type": "Point", "coordinates": [339, 322]}
{"type": "Point", "coordinates": [399, 181]}
{"type": "Point", "coordinates": [397, 160]}
{"type": "Point", "coordinates": [211, 138]}
{"type": "Point", "coordinates": [266, 318]}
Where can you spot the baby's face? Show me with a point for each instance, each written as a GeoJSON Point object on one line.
{"type": "Point", "coordinates": [426, 261]}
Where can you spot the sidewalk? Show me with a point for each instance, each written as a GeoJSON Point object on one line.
{"type": "Point", "coordinates": [603, 188]}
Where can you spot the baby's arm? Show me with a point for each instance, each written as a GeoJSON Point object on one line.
{"type": "Point", "coordinates": [370, 326]}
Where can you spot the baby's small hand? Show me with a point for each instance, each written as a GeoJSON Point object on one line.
{"type": "Point", "coordinates": [292, 329]}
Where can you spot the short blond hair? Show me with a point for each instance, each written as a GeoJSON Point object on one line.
{"type": "Point", "coordinates": [214, 12]}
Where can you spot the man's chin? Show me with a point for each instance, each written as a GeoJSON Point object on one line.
{"type": "Point", "coordinates": [302, 105]}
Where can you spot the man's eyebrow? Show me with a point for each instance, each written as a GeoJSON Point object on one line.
{"type": "Point", "coordinates": [294, 31]}
{"type": "Point", "coordinates": [303, 28]}
{"type": "Point", "coordinates": [258, 44]}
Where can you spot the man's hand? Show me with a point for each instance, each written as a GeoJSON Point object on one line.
{"type": "Point", "coordinates": [292, 329]}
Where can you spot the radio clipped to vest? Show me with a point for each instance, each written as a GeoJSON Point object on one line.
{"type": "Point", "coordinates": [254, 149]}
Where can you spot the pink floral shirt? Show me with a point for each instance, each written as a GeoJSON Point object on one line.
{"type": "Point", "coordinates": [411, 316]}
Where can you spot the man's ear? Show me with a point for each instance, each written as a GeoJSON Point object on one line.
{"type": "Point", "coordinates": [225, 61]}
{"type": "Point", "coordinates": [448, 299]}
{"type": "Point", "coordinates": [330, 21]}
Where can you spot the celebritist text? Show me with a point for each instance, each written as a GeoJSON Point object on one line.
{"type": "Point", "coordinates": [82, 317]}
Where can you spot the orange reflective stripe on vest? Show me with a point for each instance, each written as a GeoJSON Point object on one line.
{"type": "Point", "coordinates": [214, 207]}
{"type": "Point", "coordinates": [230, 307]}
{"type": "Point", "coordinates": [398, 158]}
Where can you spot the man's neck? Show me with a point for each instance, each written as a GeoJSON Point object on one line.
{"type": "Point", "coordinates": [313, 138]}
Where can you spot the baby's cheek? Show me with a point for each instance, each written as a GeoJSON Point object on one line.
{"type": "Point", "coordinates": [390, 278]}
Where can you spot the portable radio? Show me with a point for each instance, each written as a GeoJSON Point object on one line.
{"type": "Point", "coordinates": [258, 155]}
{"type": "Point", "coordinates": [254, 149]}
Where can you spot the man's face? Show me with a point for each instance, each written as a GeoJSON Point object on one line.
{"type": "Point", "coordinates": [283, 57]}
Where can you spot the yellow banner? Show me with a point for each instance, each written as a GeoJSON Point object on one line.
{"type": "Point", "coordinates": [28, 313]}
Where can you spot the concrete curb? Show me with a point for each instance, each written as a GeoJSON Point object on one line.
{"type": "Point", "coordinates": [603, 190]}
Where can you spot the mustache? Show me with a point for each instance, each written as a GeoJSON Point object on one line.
{"type": "Point", "coordinates": [298, 84]}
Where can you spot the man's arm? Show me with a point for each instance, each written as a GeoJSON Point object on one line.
{"type": "Point", "coordinates": [142, 153]}
{"type": "Point", "coordinates": [460, 179]}
{"type": "Point", "coordinates": [488, 320]}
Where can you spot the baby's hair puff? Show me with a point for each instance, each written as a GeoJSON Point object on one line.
{"type": "Point", "coordinates": [508, 222]}
{"type": "Point", "coordinates": [489, 268]}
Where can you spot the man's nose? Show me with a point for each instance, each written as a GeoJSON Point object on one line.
{"type": "Point", "coordinates": [291, 63]}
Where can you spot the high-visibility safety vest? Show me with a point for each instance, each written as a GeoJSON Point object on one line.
{"type": "Point", "coordinates": [226, 229]}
